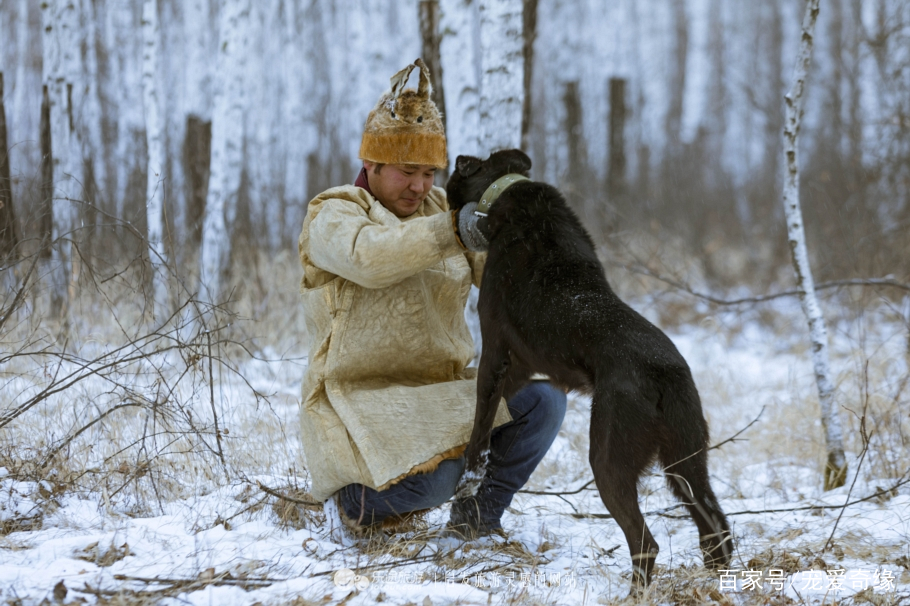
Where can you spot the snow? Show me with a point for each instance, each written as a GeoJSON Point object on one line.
{"type": "Point", "coordinates": [220, 535]}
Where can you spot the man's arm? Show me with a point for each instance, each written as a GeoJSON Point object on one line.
{"type": "Point", "coordinates": [346, 242]}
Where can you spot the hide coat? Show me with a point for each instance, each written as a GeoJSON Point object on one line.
{"type": "Point", "coordinates": [387, 392]}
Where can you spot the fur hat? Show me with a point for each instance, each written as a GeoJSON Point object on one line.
{"type": "Point", "coordinates": [405, 127]}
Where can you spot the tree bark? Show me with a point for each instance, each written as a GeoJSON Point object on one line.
{"type": "Point", "coordinates": [678, 74]}
{"type": "Point", "coordinates": [197, 154]}
{"type": "Point", "coordinates": [576, 169]}
{"type": "Point", "coordinates": [9, 231]}
{"type": "Point", "coordinates": [154, 192]}
{"type": "Point", "coordinates": [227, 149]}
{"type": "Point", "coordinates": [836, 467]}
{"type": "Point", "coordinates": [428, 16]}
{"type": "Point", "coordinates": [429, 36]}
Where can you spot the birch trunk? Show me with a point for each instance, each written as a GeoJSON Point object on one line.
{"type": "Point", "coordinates": [227, 148]}
{"type": "Point", "coordinates": [502, 80]}
{"type": "Point", "coordinates": [499, 108]}
{"type": "Point", "coordinates": [460, 60]}
{"type": "Point", "coordinates": [300, 129]}
{"type": "Point", "coordinates": [127, 87]}
{"type": "Point", "coordinates": [154, 193]}
{"type": "Point", "coordinates": [57, 20]}
{"type": "Point", "coordinates": [836, 466]}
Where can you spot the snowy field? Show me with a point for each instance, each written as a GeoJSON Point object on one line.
{"type": "Point", "coordinates": [147, 504]}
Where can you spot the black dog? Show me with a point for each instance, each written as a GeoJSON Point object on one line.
{"type": "Point", "coordinates": [546, 307]}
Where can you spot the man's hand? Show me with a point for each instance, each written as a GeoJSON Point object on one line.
{"type": "Point", "coordinates": [468, 230]}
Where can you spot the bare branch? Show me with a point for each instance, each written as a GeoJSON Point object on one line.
{"type": "Point", "coordinates": [645, 271]}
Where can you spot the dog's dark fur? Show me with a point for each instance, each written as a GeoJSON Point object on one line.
{"type": "Point", "coordinates": [545, 306]}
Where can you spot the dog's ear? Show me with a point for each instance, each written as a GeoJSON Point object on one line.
{"type": "Point", "coordinates": [467, 165]}
{"type": "Point", "coordinates": [518, 161]}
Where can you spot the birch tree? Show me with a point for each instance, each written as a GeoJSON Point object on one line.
{"type": "Point", "coordinates": [483, 68]}
{"type": "Point", "coordinates": [502, 80]}
{"type": "Point", "coordinates": [836, 466]}
{"type": "Point", "coordinates": [154, 192]}
{"type": "Point", "coordinates": [227, 147]}
{"type": "Point", "coordinates": [58, 20]}
{"type": "Point", "coordinates": [460, 60]}
{"type": "Point", "coordinates": [299, 110]}
{"type": "Point", "coordinates": [90, 127]}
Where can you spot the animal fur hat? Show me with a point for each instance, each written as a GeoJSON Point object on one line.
{"type": "Point", "coordinates": [405, 127]}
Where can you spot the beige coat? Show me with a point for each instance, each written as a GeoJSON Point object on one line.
{"type": "Point", "coordinates": [386, 391]}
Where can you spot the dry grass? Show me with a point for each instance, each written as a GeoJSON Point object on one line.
{"type": "Point", "coordinates": [136, 404]}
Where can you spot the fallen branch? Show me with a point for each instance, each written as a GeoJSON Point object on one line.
{"type": "Point", "coordinates": [556, 494]}
{"type": "Point", "coordinates": [222, 579]}
{"type": "Point", "coordinates": [405, 562]}
{"type": "Point", "coordinates": [607, 516]}
{"type": "Point", "coordinates": [305, 502]}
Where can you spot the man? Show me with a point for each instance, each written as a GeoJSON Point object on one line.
{"type": "Point", "coordinates": [388, 401]}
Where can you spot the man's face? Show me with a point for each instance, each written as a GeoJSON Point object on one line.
{"type": "Point", "coordinates": [401, 188]}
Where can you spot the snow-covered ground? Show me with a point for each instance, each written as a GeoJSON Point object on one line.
{"type": "Point", "coordinates": [204, 532]}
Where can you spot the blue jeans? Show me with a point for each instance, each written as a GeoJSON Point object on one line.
{"type": "Point", "coordinates": [515, 450]}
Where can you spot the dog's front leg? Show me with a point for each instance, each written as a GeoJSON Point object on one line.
{"type": "Point", "coordinates": [491, 378]}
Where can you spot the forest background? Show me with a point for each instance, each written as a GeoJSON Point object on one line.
{"type": "Point", "coordinates": [701, 143]}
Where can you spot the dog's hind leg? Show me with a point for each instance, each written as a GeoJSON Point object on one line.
{"type": "Point", "coordinates": [491, 378]}
{"type": "Point", "coordinates": [620, 450]}
{"type": "Point", "coordinates": [683, 454]}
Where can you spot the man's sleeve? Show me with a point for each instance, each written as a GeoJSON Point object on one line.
{"type": "Point", "coordinates": [347, 243]}
{"type": "Point", "coordinates": [477, 262]}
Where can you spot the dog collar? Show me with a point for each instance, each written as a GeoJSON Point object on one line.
{"type": "Point", "coordinates": [493, 192]}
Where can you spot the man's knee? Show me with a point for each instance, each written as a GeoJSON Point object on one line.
{"type": "Point", "coordinates": [442, 488]}
{"type": "Point", "coordinates": [540, 403]}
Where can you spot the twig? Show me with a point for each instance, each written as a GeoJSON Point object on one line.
{"type": "Point", "coordinates": [73, 436]}
{"type": "Point", "coordinates": [6, 313]}
{"type": "Point", "coordinates": [734, 436]}
{"type": "Point", "coordinates": [275, 493]}
{"type": "Point", "coordinates": [865, 437]}
{"type": "Point", "coordinates": [208, 337]}
{"type": "Point", "coordinates": [661, 512]}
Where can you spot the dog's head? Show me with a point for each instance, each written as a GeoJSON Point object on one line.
{"type": "Point", "coordinates": [472, 176]}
